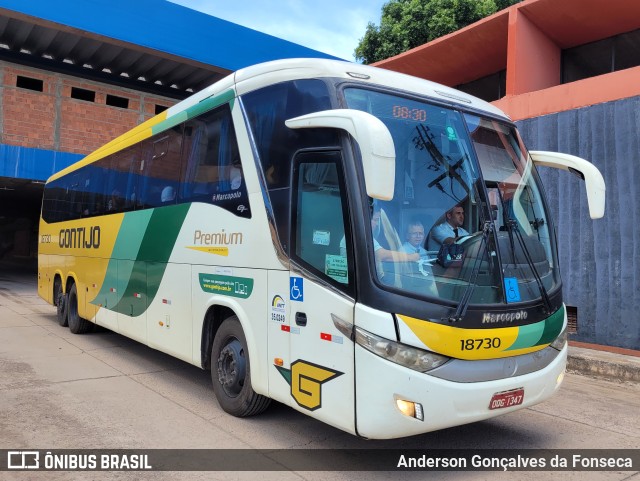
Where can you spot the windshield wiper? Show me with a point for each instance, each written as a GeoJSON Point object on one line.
{"type": "Point", "coordinates": [512, 226]}
{"type": "Point", "coordinates": [488, 226]}
{"type": "Point", "coordinates": [466, 296]}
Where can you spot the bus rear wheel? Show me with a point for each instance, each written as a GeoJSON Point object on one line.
{"type": "Point", "coordinates": [60, 301]}
{"type": "Point", "coordinates": [77, 325]}
{"type": "Point", "coordinates": [231, 372]}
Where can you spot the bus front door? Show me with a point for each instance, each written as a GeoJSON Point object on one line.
{"type": "Point", "coordinates": [322, 358]}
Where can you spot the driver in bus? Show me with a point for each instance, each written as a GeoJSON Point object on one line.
{"type": "Point", "coordinates": [450, 230]}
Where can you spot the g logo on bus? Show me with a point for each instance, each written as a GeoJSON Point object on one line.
{"type": "Point", "coordinates": [306, 380]}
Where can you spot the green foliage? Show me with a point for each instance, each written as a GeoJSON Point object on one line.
{"type": "Point", "coordinates": [406, 24]}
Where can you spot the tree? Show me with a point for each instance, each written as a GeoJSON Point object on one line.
{"type": "Point", "coordinates": [406, 24]}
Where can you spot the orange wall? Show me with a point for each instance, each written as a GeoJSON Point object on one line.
{"type": "Point", "coordinates": [582, 93]}
{"type": "Point", "coordinates": [531, 35]}
{"type": "Point", "coordinates": [533, 59]}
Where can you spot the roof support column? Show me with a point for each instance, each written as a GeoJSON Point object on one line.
{"type": "Point", "coordinates": [533, 59]}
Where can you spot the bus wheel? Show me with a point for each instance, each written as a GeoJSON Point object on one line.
{"type": "Point", "coordinates": [60, 301]}
{"type": "Point", "coordinates": [231, 372]}
{"type": "Point", "coordinates": [77, 325]}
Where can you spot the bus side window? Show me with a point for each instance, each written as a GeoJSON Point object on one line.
{"type": "Point", "coordinates": [161, 165]}
{"type": "Point", "coordinates": [212, 171]}
{"type": "Point", "coordinates": [320, 238]}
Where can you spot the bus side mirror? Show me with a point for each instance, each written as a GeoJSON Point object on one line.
{"type": "Point", "coordinates": [374, 140]}
{"type": "Point", "coordinates": [594, 183]}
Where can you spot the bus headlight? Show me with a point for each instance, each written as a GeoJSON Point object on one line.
{"type": "Point", "coordinates": [561, 340]}
{"type": "Point", "coordinates": [407, 356]}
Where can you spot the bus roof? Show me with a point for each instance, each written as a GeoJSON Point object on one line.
{"type": "Point", "coordinates": [261, 75]}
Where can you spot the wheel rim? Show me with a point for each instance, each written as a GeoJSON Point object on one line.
{"type": "Point", "coordinates": [232, 367]}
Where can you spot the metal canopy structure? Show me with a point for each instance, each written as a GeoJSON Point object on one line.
{"type": "Point", "coordinates": [148, 45]}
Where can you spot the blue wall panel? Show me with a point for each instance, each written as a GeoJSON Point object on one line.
{"type": "Point", "coordinates": [33, 164]}
{"type": "Point", "coordinates": [600, 259]}
{"type": "Point", "coordinates": [167, 27]}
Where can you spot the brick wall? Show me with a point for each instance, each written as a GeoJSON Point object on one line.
{"type": "Point", "coordinates": [51, 119]}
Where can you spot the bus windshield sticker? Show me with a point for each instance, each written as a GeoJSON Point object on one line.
{"type": "Point", "coordinates": [321, 237]}
{"type": "Point", "coordinates": [227, 285]}
{"type": "Point", "coordinates": [511, 289]}
{"type": "Point", "coordinates": [336, 268]}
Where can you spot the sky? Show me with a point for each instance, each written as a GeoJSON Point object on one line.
{"type": "Point", "coordinates": [330, 26]}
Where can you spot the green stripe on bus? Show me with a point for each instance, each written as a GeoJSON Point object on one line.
{"type": "Point", "coordinates": [540, 333]}
{"type": "Point", "coordinates": [154, 253]}
{"type": "Point", "coordinates": [528, 336]}
{"type": "Point", "coordinates": [552, 327]}
{"type": "Point", "coordinates": [127, 245]}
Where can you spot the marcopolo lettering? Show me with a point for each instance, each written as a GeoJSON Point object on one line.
{"type": "Point", "coordinates": [80, 238]}
{"type": "Point", "coordinates": [491, 317]}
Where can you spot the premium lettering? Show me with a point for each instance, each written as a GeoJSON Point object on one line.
{"type": "Point", "coordinates": [217, 238]}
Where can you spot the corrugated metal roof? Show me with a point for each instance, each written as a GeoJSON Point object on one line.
{"type": "Point", "coordinates": [149, 45]}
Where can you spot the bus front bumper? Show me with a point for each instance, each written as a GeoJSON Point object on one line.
{"type": "Point", "coordinates": [380, 383]}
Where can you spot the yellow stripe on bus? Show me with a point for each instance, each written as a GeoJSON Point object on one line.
{"type": "Point", "coordinates": [470, 344]}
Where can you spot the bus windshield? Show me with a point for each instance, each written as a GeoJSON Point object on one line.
{"type": "Point", "coordinates": [467, 216]}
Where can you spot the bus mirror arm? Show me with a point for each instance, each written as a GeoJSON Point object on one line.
{"type": "Point", "coordinates": [374, 140]}
{"type": "Point", "coordinates": [594, 182]}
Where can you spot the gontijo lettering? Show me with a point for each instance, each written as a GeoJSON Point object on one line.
{"type": "Point", "coordinates": [80, 238]}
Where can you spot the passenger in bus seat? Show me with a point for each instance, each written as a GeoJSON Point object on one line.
{"type": "Point", "coordinates": [168, 194]}
{"type": "Point", "coordinates": [450, 230]}
{"type": "Point", "coordinates": [235, 174]}
{"type": "Point", "coordinates": [114, 203]}
{"type": "Point", "coordinates": [387, 255]}
{"type": "Point", "coordinates": [382, 254]}
{"type": "Point", "coordinates": [415, 239]}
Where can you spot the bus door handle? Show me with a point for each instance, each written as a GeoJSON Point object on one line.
{"type": "Point", "coordinates": [301, 319]}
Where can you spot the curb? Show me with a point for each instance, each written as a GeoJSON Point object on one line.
{"type": "Point", "coordinates": [603, 364]}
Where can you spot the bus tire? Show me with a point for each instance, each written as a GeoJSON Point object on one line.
{"type": "Point", "coordinates": [231, 372]}
{"type": "Point", "coordinates": [77, 325]}
{"type": "Point", "coordinates": [60, 301]}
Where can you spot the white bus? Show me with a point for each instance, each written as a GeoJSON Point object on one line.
{"type": "Point", "coordinates": [281, 228]}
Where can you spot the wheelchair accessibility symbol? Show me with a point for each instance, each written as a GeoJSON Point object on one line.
{"type": "Point", "coordinates": [511, 289]}
{"type": "Point", "coordinates": [296, 289]}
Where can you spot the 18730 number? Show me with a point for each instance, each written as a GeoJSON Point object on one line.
{"type": "Point", "coordinates": [481, 343]}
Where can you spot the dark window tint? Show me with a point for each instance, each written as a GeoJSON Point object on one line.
{"type": "Point", "coordinates": [197, 161]}
{"type": "Point", "coordinates": [122, 181]}
{"type": "Point", "coordinates": [267, 110]}
{"type": "Point", "coordinates": [161, 157]}
{"type": "Point", "coordinates": [213, 171]}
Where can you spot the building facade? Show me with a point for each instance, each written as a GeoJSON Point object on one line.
{"type": "Point", "coordinates": [568, 73]}
{"type": "Point", "coordinates": [74, 75]}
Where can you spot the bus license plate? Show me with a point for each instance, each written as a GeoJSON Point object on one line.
{"type": "Point", "coordinates": [506, 399]}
